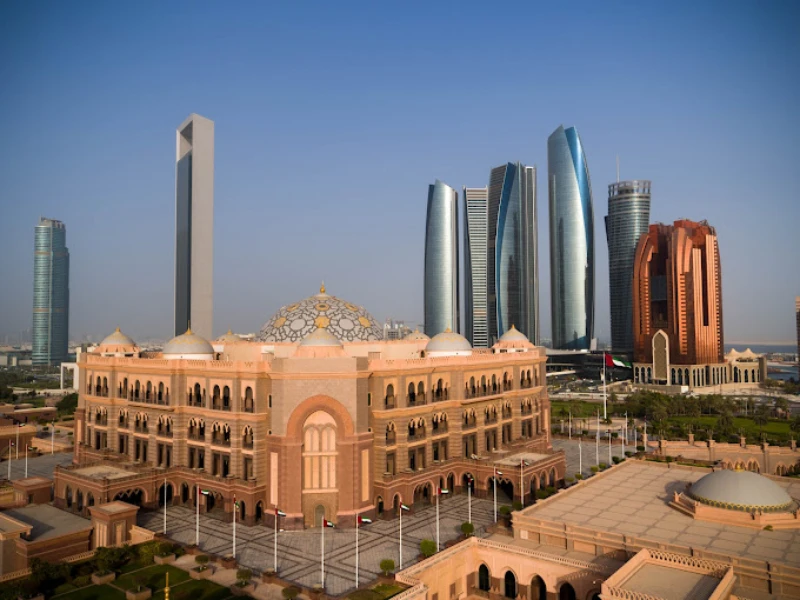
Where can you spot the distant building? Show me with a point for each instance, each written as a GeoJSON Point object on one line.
{"type": "Point", "coordinates": [571, 241]}
{"type": "Point", "coordinates": [194, 226]}
{"type": "Point", "coordinates": [395, 330]}
{"type": "Point", "coordinates": [797, 317]}
{"type": "Point", "coordinates": [50, 293]}
{"type": "Point", "coordinates": [628, 219]}
{"type": "Point", "coordinates": [677, 306]}
{"type": "Point", "coordinates": [476, 228]}
{"type": "Point", "coordinates": [441, 291]}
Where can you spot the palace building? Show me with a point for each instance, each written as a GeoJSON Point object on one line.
{"type": "Point", "coordinates": [318, 417]}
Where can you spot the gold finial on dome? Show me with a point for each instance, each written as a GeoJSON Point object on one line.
{"type": "Point", "coordinates": [117, 330]}
{"type": "Point", "coordinates": [448, 330]}
{"type": "Point", "coordinates": [188, 328]}
{"type": "Point", "coordinates": [738, 468]}
{"type": "Point", "coordinates": [229, 331]}
{"type": "Point", "coordinates": [322, 288]}
{"type": "Point", "coordinates": [512, 326]}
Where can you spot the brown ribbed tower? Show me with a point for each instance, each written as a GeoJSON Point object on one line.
{"type": "Point", "coordinates": [677, 289]}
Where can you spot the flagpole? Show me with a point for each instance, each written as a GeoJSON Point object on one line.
{"type": "Point", "coordinates": [610, 462]}
{"type": "Point", "coordinates": [197, 522]}
{"type": "Point", "coordinates": [234, 527]}
{"type": "Point", "coordinates": [10, 443]}
{"type": "Point", "coordinates": [469, 499]}
{"type": "Point", "coordinates": [569, 433]}
{"type": "Point", "coordinates": [165, 506]}
{"type": "Point", "coordinates": [401, 535]}
{"type": "Point", "coordinates": [438, 493]}
{"type": "Point", "coordinates": [597, 441]}
{"type": "Point", "coordinates": [26, 461]}
{"type": "Point", "coordinates": [605, 413]}
{"type": "Point", "coordinates": [494, 485]}
{"type": "Point", "coordinates": [356, 550]}
{"type": "Point", "coordinates": [521, 480]}
{"type": "Point", "coordinates": [53, 439]}
{"type": "Point", "coordinates": [322, 553]}
{"type": "Point", "coordinates": [18, 426]}
{"type": "Point", "coordinates": [580, 455]}
{"type": "Point", "coordinates": [275, 545]}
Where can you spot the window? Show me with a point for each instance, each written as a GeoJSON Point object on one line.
{"type": "Point", "coordinates": [483, 578]}
{"type": "Point", "coordinates": [319, 452]}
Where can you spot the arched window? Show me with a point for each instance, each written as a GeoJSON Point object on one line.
{"type": "Point", "coordinates": [148, 396]}
{"type": "Point", "coordinates": [226, 398]}
{"type": "Point", "coordinates": [412, 394]}
{"type": "Point", "coordinates": [248, 400]}
{"type": "Point", "coordinates": [510, 587]}
{"type": "Point", "coordinates": [389, 399]}
{"type": "Point", "coordinates": [319, 452]}
{"type": "Point", "coordinates": [484, 582]}
{"type": "Point", "coordinates": [215, 398]}
{"type": "Point", "coordinates": [247, 438]}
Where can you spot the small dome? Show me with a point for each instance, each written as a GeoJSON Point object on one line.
{"type": "Point", "coordinates": [417, 335]}
{"type": "Point", "coordinates": [188, 343]}
{"type": "Point", "coordinates": [228, 337]}
{"type": "Point", "coordinates": [448, 341]}
{"type": "Point", "coordinates": [321, 337]}
{"type": "Point", "coordinates": [740, 490]}
{"type": "Point", "coordinates": [117, 339]}
{"type": "Point", "coordinates": [514, 335]}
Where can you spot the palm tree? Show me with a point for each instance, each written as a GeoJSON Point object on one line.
{"type": "Point", "coordinates": [760, 417]}
{"type": "Point", "coordinates": [725, 423]}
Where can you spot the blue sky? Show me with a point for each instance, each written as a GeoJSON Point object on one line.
{"type": "Point", "coordinates": [333, 118]}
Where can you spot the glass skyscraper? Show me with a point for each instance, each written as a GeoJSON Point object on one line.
{"type": "Point", "coordinates": [628, 219]}
{"type": "Point", "coordinates": [441, 260]}
{"type": "Point", "coordinates": [476, 228]}
{"type": "Point", "coordinates": [571, 241]}
{"type": "Point", "coordinates": [50, 293]}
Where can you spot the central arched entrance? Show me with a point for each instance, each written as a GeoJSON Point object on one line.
{"type": "Point", "coordinates": [319, 515]}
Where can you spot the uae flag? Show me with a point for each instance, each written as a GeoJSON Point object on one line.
{"type": "Point", "coordinates": [404, 507]}
{"type": "Point", "coordinates": [279, 513]}
{"type": "Point", "coordinates": [442, 491]}
{"type": "Point", "coordinates": [612, 361]}
{"type": "Point", "coordinates": [326, 523]}
{"type": "Point", "coordinates": [364, 521]}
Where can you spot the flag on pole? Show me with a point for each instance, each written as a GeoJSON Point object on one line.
{"type": "Point", "coordinates": [442, 491]}
{"type": "Point", "coordinates": [498, 472]}
{"type": "Point", "coordinates": [404, 507]}
{"type": "Point", "coordinates": [279, 513]}
{"type": "Point", "coordinates": [205, 492]}
{"type": "Point", "coordinates": [612, 361]}
{"type": "Point", "coordinates": [364, 521]}
{"type": "Point", "coordinates": [326, 523]}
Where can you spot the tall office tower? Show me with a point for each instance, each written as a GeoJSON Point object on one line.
{"type": "Point", "coordinates": [194, 227]}
{"type": "Point", "coordinates": [441, 260]}
{"type": "Point", "coordinates": [50, 293]}
{"type": "Point", "coordinates": [627, 220]}
{"type": "Point", "coordinates": [677, 301]}
{"type": "Point", "coordinates": [476, 227]}
{"type": "Point", "coordinates": [571, 241]}
{"type": "Point", "coordinates": [512, 258]}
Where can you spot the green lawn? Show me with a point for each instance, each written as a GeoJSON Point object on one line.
{"type": "Point", "coordinates": [382, 591]}
{"type": "Point", "coordinates": [154, 577]}
{"type": "Point", "coordinates": [95, 592]}
{"type": "Point", "coordinates": [194, 590]}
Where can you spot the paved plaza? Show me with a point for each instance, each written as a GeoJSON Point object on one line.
{"type": "Point", "coordinates": [589, 449]}
{"type": "Point", "coordinates": [299, 551]}
{"type": "Point", "coordinates": [633, 499]}
{"type": "Point", "coordinates": [41, 466]}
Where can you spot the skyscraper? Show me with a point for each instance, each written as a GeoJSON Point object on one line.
{"type": "Point", "coordinates": [476, 227]}
{"type": "Point", "coordinates": [441, 260]}
{"type": "Point", "coordinates": [512, 257]}
{"type": "Point", "coordinates": [677, 304]}
{"type": "Point", "coordinates": [194, 226]}
{"type": "Point", "coordinates": [571, 241]}
{"type": "Point", "coordinates": [627, 220]}
{"type": "Point", "coordinates": [50, 293]}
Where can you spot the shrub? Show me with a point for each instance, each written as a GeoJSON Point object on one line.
{"type": "Point", "coordinates": [550, 490]}
{"type": "Point", "coordinates": [570, 480]}
{"type": "Point", "coordinates": [628, 453]}
{"type": "Point", "coordinates": [640, 448]}
{"type": "Point", "coordinates": [603, 466]}
{"type": "Point", "coordinates": [578, 476]}
{"type": "Point", "coordinates": [467, 528]}
{"type": "Point", "coordinates": [290, 593]}
{"type": "Point", "coordinates": [387, 564]}
{"type": "Point", "coordinates": [616, 459]}
{"type": "Point", "coordinates": [82, 581]}
{"type": "Point", "coordinates": [670, 459]}
{"type": "Point", "coordinates": [146, 552]}
{"type": "Point", "coordinates": [165, 549]}
{"type": "Point", "coordinates": [768, 528]}
{"type": "Point", "coordinates": [517, 505]}
{"type": "Point", "coordinates": [595, 469]}
{"type": "Point", "coordinates": [541, 494]}
{"type": "Point", "coordinates": [140, 581]}
{"type": "Point", "coordinates": [427, 548]}
{"type": "Point", "coordinates": [243, 576]}
{"type": "Point", "coordinates": [202, 560]}
{"type": "Point", "coordinates": [505, 510]}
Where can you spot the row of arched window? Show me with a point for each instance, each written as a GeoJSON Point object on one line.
{"type": "Point", "coordinates": [154, 393]}
{"type": "Point", "coordinates": [220, 398]}
{"type": "Point", "coordinates": [220, 433]}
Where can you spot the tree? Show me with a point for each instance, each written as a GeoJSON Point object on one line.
{"type": "Point", "coordinates": [67, 405]}
{"type": "Point", "coordinates": [467, 528]}
{"type": "Point", "coordinates": [760, 417]}
{"type": "Point", "coordinates": [725, 423]}
{"type": "Point", "coordinates": [782, 405]}
{"type": "Point", "coordinates": [290, 593]}
{"type": "Point", "coordinates": [243, 576]}
{"type": "Point", "coordinates": [427, 548]}
{"type": "Point", "coordinates": [795, 425]}
{"type": "Point", "coordinates": [387, 565]}
{"type": "Point", "coordinates": [202, 561]}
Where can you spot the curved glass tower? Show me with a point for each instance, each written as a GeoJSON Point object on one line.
{"type": "Point", "coordinates": [441, 260]}
{"type": "Point", "coordinates": [513, 274]}
{"type": "Point", "coordinates": [50, 293]}
{"type": "Point", "coordinates": [571, 241]}
{"type": "Point", "coordinates": [628, 219]}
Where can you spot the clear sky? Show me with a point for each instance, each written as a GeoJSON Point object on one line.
{"type": "Point", "coordinates": [333, 118]}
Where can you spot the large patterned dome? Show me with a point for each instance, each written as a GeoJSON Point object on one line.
{"type": "Point", "coordinates": [346, 321]}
